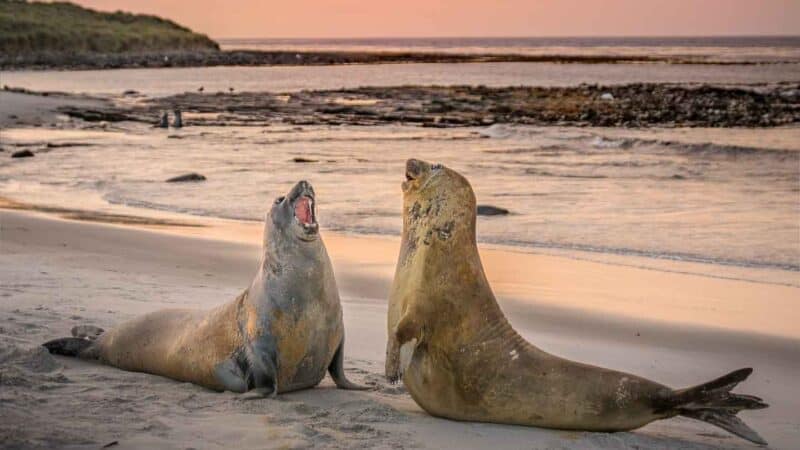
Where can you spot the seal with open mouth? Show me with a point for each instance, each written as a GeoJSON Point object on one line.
{"type": "Point", "coordinates": [279, 335]}
{"type": "Point", "coordinates": [460, 358]}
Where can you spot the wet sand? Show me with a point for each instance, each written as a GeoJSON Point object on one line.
{"type": "Point", "coordinates": [26, 109]}
{"type": "Point", "coordinates": [668, 325]}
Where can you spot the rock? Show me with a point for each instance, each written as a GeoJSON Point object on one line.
{"type": "Point", "coordinates": [489, 210]}
{"type": "Point", "coordinates": [791, 94]}
{"type": "Point", "coordinates": [22, 154]}
{"type": "Point", "coordinates": [187, 177]}
{"type": "Point", "coordinates": [130, 92]}
{"type": "Point", "coordinates": [304, 160]}
{"type": "Point", "coordinates": [91, 115]}
{"type": "Point", "coordinates": [635, 105]}
{"type": "Point", "coordinates": [68, 144]}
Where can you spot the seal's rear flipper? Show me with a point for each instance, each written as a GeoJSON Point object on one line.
{"type": "Point", "coordinates": [70, 346]}
{"type": "Point", "coordinates": [727, 421]}
{"type": "Point", "coordinates": [713, 402]}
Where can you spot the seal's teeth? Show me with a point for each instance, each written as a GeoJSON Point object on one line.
{"type": "Point", "coordinates": [303, 210]}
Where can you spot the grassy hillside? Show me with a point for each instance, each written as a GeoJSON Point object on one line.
{"type": "Point", "coordinates": [31, 27]}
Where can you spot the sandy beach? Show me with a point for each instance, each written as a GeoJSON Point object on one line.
{"type": "Point", "coordinates": [648, 222]}
{"type": "Point", "coordinates": [668, 325]}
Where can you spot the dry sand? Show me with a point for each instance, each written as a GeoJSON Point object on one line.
{"type": "Point", "coordinates": [669, 325]}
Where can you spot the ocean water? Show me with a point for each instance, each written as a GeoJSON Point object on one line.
{"type": "Point", "coordinates": [169, 81]}
{"type": "Point", "coordinates": [717, 49]}
{"type": "Point", "coordinates": [703, 195]}
{"type": "Point", "coordinates": [726, 197]}
{"type": "Point", "coordinates": [782, 54]}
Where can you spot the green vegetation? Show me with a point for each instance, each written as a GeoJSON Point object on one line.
{"type": "Point", "coordinates": [33, 27]}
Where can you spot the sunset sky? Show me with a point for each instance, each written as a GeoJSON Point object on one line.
{"type": "Point", "coordinates": [430, 18]}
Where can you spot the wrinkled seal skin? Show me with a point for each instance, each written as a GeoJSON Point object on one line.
{"type": "Point", "coordinates": [279, 335]}
{"type": "Point", "coordinates": [460, 358]}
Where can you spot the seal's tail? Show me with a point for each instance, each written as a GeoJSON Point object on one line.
{"type": "Point", "coordinates": [713, 402]}
{"type": "Point", "coordinates": [82, 338]}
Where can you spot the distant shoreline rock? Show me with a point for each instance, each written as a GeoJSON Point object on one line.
{"type": "Point", "coordinates": [49, 60]}
{"type": "Point", "coordinates": [189, 177]}
{"type": "Point", "coordinates": [489, 210]}
{"type": "Point", "coordinates": [491, 110]}
{"type": "Point", "coordinates": [634, 105]}
{"type": "Point", "coordinates": [22, 154]}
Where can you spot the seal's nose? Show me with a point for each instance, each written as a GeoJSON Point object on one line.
{"type": "Point", "coordinates": [300, 188]}
{"type": "Point", "coordinates": [413, 169]}
{"type": "Point", "coordinates": [303, 187]}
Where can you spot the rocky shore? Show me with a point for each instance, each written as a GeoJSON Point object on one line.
{"type": "Point", "coordinates": [635, 105]}
{"type": "Point", "coordinates": [87, 61]}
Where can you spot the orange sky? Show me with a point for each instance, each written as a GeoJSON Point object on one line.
{"type": "Point", "coordinates": [429, 18]}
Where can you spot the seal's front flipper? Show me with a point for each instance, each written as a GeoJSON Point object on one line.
{"type": "Point", "coordinates": [336, 369]}
{"type": "Point", "coordinates": [406, 354]}
{"type": "Point", "coordinates": [259, 393]}
{"type": "Point", "coordinates": [400, 350]}
{"type": "Point", "coordinates": [392, 363]}
{"type": "Point", "coordinates": [713, 402]}
{"type": "Point", "coordinates": [70, 346]}
{"type": "Point", "coordinates": [259, 363]}
{"type": "Point", "coordinates": [230, 376]}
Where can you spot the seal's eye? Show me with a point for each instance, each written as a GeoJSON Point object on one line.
{"type": "Point", "coordinates": [279, 199]}
{"type": "Point", "coordinates": [436, 167]}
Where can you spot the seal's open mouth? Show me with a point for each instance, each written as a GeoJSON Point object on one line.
{"type": "Point", "coordinates": [304, 211]}
{"type": "Point", "coordinates": [305, 215]}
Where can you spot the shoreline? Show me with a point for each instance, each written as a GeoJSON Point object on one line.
{"type": "Point", "coordinates": [246, 230]}
{"type": "Point", "coordinates": [208, 58]}
{"type": "Point", "coordinates": [638, 105]}
{"type": "Point", "coordinates": [527, 277]}
{"type": "Point", "coordinates": [59, 273]}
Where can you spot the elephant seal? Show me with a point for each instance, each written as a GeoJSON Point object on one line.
{"type": "Point", "coordinates": [279, 335]}
{"type": "Point", "coordinates": [178, 121]}
{"type": "Point", "coordinates": [460, 358]}
{"type": "Point", "coordinates": [163, 122]}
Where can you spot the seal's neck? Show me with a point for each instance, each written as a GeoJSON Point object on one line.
{"type": "Point", "coordinates": [290, 267]}
{"type": "Point", "coordinates": [438, 255]}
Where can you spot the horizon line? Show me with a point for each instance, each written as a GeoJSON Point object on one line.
{"type": "Point", "coordinates": [598, 36]}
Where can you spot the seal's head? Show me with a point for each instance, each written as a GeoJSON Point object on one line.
{"type": "Point", "coordinates": [439, 206]}
{"type": "Point", "coordinates": [426, 180]}
{"type": "Point", "coordinates": [293, 217]}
